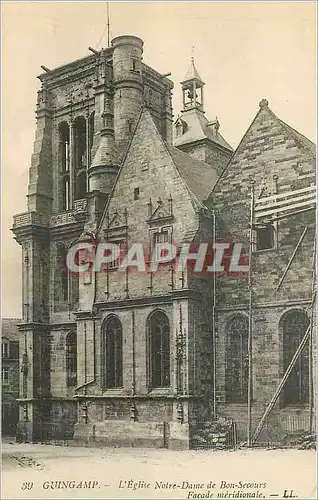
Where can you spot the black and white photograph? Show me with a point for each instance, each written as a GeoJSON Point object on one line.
{"type": "Point", "coordinates": [158, 323]}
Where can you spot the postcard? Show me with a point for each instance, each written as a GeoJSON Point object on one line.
{"type": "Point", "coordinates": [159, 250]}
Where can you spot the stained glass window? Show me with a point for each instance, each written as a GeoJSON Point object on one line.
{"type": "Point", "coordinates": [237, 360]}
{"type": "Point", "coordinates": [296, 390]}
{"type": "Point", "coordinates": [159, 339]}
{"type": "Point", "coordinates": [113, 349]}
{"type": "Point", "coordinates": [71, 359]}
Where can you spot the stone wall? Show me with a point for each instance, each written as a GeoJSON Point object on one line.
{"type": "Point", "coordinates": [275, 158]}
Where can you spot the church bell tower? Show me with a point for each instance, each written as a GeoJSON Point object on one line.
{"type": "Point", "coordinates": [192, 89]}
{"type": "Point", "coordinates": [193, 132]}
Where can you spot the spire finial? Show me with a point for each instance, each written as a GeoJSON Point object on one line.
{"type": "Point", "coordinates": [108, 25]}
{"type": "Point", "coordinates": [263, 103]}
{"type": "Point", "coordinates": [192, 53]}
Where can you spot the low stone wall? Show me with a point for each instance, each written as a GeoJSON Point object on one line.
{"type": "Point", "coordinates": [171, 435]}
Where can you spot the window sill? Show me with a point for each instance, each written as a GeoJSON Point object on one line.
{"type": "Point", "coordinates": [160, 391]}
{"type": "Point", "coordinates": [265, 250]}
{"type": "Point", "coordinates": [295, 407]}
{"type": "Point", "coordinates": [236, 405]}
{"type": "Point", "coordinates": [113, 392]}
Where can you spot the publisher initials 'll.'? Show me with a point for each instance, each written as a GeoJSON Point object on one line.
{"type": "Point", "coordinates": [289, 494]}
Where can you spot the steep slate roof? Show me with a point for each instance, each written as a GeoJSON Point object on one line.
{"type": "Point", "coordinates": [199, 177]}
{"type": "Point", "coordinates": [198, 129]}
{"type": "Point", "coordinates": [9, 329]}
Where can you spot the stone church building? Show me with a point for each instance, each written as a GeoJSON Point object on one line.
{"type": "Point", "coordinates": [149, 359]}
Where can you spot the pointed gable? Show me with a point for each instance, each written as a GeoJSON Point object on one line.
{"type": "Point", "coordinates": [281, 164]}
{"type": "Point", "coordinates": [149, 169]}
{"type": "Point", "coordinates": [270, 148]}
{"type": "Point", "coordinates": [159, 192]}
{"type": "Point", "coordinates": [150, 161]}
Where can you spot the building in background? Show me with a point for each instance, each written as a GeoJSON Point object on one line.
{"type": "Point", "coordinates": [154, 359]}
{"type": "Point", "coordinates": [10, 375]}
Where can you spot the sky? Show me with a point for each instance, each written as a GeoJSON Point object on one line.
{"type": "Point", "coordinates": [244, 51]}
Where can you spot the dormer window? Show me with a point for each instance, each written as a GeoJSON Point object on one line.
{"type": "Point", "coordinates": [181, 127]}
{"type": "Point", "coordinates": [214, 126]}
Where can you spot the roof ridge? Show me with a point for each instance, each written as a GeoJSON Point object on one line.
{"type": "Point", "coordinates": [166, 146]}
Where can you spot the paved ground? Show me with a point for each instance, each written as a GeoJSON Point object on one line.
{"type": "Point", "coordinates": [44, 471]}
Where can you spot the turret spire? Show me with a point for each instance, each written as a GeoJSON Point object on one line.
{"type": "Point", "coordinates": [192, 88]}
{"type": "Point", "coordinates": [105, 159]}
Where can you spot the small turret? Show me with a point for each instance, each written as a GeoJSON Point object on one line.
{"type": "Point", "coordinates": [40, 174]}
{"type": "Point", "coordinates": [104, 167]}
{"type": "Point", "coordinates": [128, 98]}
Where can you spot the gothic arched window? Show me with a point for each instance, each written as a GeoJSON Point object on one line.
{"type": "Point", "coordinates": [81, 186]}
{"type": "Point", "coordinates": [237, 360]}
{"type": "Point", "coordinates": [71, 359]}
{"type": "Point", "coordinates": [64, 141]}
{"type": "Point", "coordinates": [91, 132]}
{"type": "Point", "coordinates": [159, 343]}
{"type": "Point", "coordinates": [296, 390]}
{"type": "Point", "coordinates": [63, 274]}
{"type": "Point", "coordinates": [66, 203]}
{"type": "Point", "coordinates": [113, 353]}
{"type": "Point", "coordinates": [80, 142]}
{"type": "Point", "coordinates": [64, 165]}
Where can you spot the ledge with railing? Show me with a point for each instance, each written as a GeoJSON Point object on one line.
{"type": "Point", "coordinates": [30, 219]}
{"type": "Point", "coordinates": [43, 220]}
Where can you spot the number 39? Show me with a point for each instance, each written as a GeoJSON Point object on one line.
{"type": "Point", "coordinates": [27, 486]}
